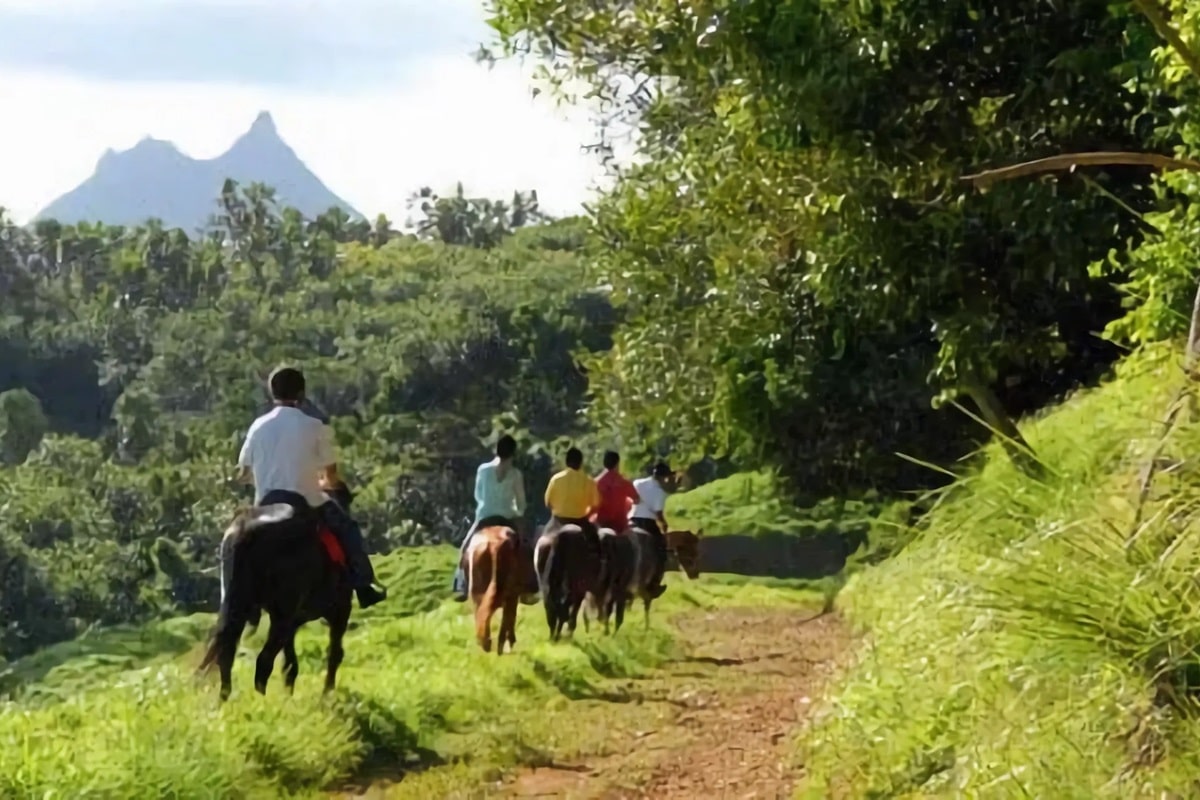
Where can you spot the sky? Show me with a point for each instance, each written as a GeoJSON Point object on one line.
{"type": "Point", "coordinates": [378, 97]}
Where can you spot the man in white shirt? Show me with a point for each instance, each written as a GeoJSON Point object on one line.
{"type": "Point", "coordinates": [648, 514]}
{"type": "Point", "coordinates": [290, 449]}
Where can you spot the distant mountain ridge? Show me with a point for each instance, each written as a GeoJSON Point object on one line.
{"type": "Point", "coordinates": [154, 179]}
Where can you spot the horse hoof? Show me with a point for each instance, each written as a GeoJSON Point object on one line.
{"type": "Point", "coordinates": [261, 688]}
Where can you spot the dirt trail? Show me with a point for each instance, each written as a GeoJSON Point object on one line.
{"type": "Point", "coordinates": [728, 713]}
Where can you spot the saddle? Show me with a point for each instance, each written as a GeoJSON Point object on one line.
{"type": "Point", "coordinates": [279, 506]}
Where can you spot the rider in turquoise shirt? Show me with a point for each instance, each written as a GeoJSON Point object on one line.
{"type": "Point", "coordinates": [499, 500]}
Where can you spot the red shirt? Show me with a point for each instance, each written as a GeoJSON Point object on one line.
{"type": "Point", "coordinates": [617, 496]}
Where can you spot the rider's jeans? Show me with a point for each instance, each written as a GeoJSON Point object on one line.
{"type": "Point", "coordinates": [460, 575]}
{"type": "Point", "coordinates": [350, 535]}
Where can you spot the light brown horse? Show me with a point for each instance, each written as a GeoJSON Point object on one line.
{"type": "Point", "coordinates": [685, 546]}
{"type": "Point", "coordinates": [495, 578]}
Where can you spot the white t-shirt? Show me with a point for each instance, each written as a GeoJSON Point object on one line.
{"type": "Point", "coordinates": [653, 499]}
{"type": "Point", "coordinates": [285, 449]}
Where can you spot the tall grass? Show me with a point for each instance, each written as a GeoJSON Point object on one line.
{"type": "Point", "coordinates": [118, 718]}
{"type": "Point", "coordinates": [1033, 641]}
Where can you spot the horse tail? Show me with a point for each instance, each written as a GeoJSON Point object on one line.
{"type": "Point", "coordinates": [511, 553]}
{"type": "Point", "coordinates": [551, 574]}
{"type": "Point", "coordinates": [493, 587]}
{"type": "Point", "coordinates": [237, 599]}
{"type": "Point", "coordinates": [560, 580]}
{"type": "Point", "coordinates": [543, 562]}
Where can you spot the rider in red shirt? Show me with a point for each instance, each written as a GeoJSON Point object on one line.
{"type": "Point", "coordinates": [616, 495]}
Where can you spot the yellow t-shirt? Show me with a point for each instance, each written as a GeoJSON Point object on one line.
{"type": "Point", "coordinates": [572, 494]}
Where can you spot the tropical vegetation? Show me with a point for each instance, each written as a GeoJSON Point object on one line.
{"type": "Point", "coordinates": [859, 243]}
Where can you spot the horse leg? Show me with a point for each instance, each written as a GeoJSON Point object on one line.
{"type": "Point", "coordinates": [595, 604]}
{"type": "Point", "coordinates": [484, 592]}
{"type": "Point", "coordinates": [291, 664]}
{"type": "Point", "coordinates": [224, 651]}
{"type": "Point", "coordinates": [508, 623]}
{"type": "Point", "coordinates": [339, 620]}
{"type": "Point", "coordinates": [646, 606]}
{"type": "Point", "coordinates": [620, 609]}
{"type": "Point", "coordinates": [600, 605]}
{"type": "Point", "coordinates": [559, 618]}
{"type": "Point", "coordinates": [573, 615]}
{"type": "Point", "coordinates": [551, 606]}
{"type": "Point", "coordinates": [483, 625]}
{"type": "Point", "coordinates": [277, 636]}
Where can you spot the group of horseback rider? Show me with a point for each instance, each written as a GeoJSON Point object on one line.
{"type": "Point", "coordinates": [610, 500]}
{"type": "Point", "coordinates": [290, 449]}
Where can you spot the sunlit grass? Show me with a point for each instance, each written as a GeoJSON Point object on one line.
{"type": "Point", "coordinates": [756, 503]}
{"type": "Point", "coordinates": [1021, 645]}
{"type": "Point", "coordinates": [414, 690]}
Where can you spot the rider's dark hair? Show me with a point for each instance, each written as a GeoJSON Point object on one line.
{"type": "Point", "coordinates": [574, 458]}
{"type": "Point", "coordinates": [611, 459]}
{"type": "Point", "coordinates": [661, 470]}
{"type": "Point", "coordinates": [506, 447]}
{"type": "Point", "coordinates": [286, 385]}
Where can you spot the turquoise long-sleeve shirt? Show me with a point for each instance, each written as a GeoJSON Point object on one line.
{"type": "Point", "coordinates": [496, 498]}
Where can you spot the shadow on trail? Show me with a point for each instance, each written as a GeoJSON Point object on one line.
{"type": "Point", "coordinates": [534, 758]}
{"type": "Point", "coordinates": [737, 662]}
{"type": "Point", "coordinates": [574, 687]}
{"type": "Point", "coordinates": [393, 748]}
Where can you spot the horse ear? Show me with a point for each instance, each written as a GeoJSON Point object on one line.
{"type": "Point", "coordinates": [699, 533]}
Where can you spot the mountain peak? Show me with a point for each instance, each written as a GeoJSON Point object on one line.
{"type": "Point", "coordinates": [264, 125]}
{"type": "Point", "coordinates": [154, 179]}
{"type": "Point", "coordinates": [148, 144]}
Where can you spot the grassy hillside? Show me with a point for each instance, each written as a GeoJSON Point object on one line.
{"type": "Point", "coordinates": [1034, 641]}
{"type": "Point", "coordinates": [414, 690]}
{"type": "Point", "coordinates": [755, 504]}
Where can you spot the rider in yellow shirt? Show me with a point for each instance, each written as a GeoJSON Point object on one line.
{"type": "Point", "coordinates": [572, 496]}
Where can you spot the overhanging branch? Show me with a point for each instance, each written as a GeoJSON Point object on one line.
{"type": "Point", "coordinates": [1158, 16]}
{"type": "Point", "coordinates": [1073, 160]}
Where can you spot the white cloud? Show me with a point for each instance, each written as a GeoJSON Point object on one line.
{"type": "Point", "coordinates": [373, 147]}
{"type": "Point", "coordinates": [61, 7]}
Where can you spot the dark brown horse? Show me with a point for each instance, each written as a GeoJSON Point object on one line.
{"type": "Point", "coordinates": [567, 567]}
{"type": "Point", "coordinates": [286, 563]}
{"type": "Point", "coordinates": [628, 564]}
{"type": "Point", "coordinates": [629, 559]}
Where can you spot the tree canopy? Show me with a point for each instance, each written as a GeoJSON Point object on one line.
{"type": "Point", "coordinates": [795, 273]}
{"type": "Point", "coordinates": [800, 264]}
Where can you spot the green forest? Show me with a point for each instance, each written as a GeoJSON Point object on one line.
{"type": "Point", "coordinates": [928, 262]}
{"type": "Point", "coordinates": [134, 361]}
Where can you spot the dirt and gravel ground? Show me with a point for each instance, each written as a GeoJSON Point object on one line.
{"type": "Point", "coordinates": [727, 716]}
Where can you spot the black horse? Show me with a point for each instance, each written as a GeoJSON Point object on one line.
{"type": "Point", "coordinates": [283, 563]}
